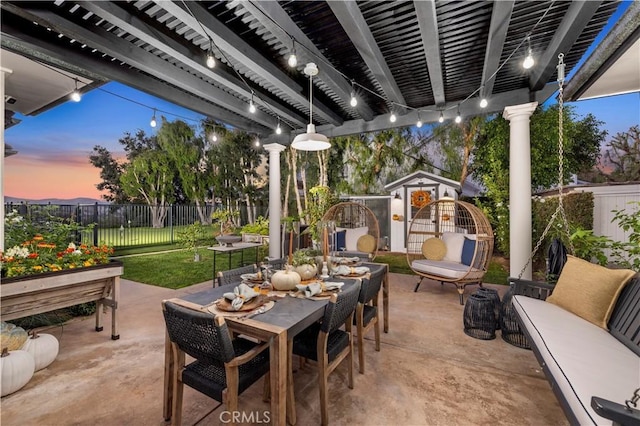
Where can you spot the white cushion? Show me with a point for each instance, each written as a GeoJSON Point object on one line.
{"type": "Point", "coordinates": [352, 235]}
{"type": "Point", "coordinates": [446, 268]}
{"type": "Point", "coordinates": [584, 359]}
{"type": "Point", "coordinates": [454, 243]}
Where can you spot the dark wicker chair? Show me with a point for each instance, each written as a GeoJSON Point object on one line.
{"type": "Point", "coordinates": [232, 276]}
{"type": "Point", "coordinates": [223, 367]}
{"type": "Point", "coordinates": [277, 264]}
{"type": "Point", "coordinates": [325, 343]}
{"type": "Point", "coordinates": [367, 312]}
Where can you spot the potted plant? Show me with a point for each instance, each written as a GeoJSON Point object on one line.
{"type": "Point", "coordinates": [189, 238]}
{"type": "Point", "coordinates": [320, 199]}
{"type": "Point", "coordinates": [226, 220]}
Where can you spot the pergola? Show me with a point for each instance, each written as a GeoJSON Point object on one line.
{"type": "Point", "coordinates": [417, 60]}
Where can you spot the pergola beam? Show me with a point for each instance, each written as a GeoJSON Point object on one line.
{"type": "Point", "coordinates": [16, 40]}
{"type": "Point", "coordinates": [241, 51]}
{"type": "Point", "coordinates": [123, 50]}
{"type": "Point", "coordinates": [428, 22]}
{"type": "Point", "coordinates": [270, 12]}
{"type": "Point", "coordinates": [150, 35]}
{"type": "Point", "coordinates": [573, 23]}
{"type": "Point", "coordinates": [500, 18]}
{"type": "Point", "coordinates": [350, 17]}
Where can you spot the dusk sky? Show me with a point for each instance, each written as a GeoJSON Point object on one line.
{"type": "Point", "coordinates": [54, 147]}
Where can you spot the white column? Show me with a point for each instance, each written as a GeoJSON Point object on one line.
{"type": "Point", "coordinates": [275, 209]}
{"type": "Point", "coordinates": [519, 187]}
{"type": "Point", "coordinates": [3, 71]}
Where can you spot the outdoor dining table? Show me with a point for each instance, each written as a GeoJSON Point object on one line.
{"type": "Point", "coordinates": [278, 326]}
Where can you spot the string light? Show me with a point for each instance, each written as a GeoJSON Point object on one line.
{"type": "Point", "coordinates": [458, 117]}
{"type": "Point", "coordinates": [278, 129]}
{"type": "Point", "coordinates": [528, 61]}
{"type": "Point", "coordinates": [252, 106]}
{"type": "Point", "coordinates": [392, 117]}
{"type": "Point", "coordinates": [153, 121]}
{"type": "Point", "coordinates": [75, 95]}
{"type": "Point", "coordinates": [293, 60]}
{"type": "Point", "coordinates": [214, 137]}
{"type": "Point", "coordinates": [441, 118]}
{"type": "Point", "coordinates": [354, 101]}
{"type": "Point", "coordinates": [257, 142]}
{"type": "Point", "coordinates": [211, 60]}
{"type": "Point", "coordinates": [419, 123]}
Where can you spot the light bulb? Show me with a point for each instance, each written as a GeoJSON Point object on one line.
{"type": "Point", "coordinates": [252, 107]}
{"type": "Point", "coordinates": [392, 118]}
{"type": "Point", "coordinates": [528, 61]}
{"type": "Point", "coordinates": [419, 123]}
{"type": "Point", "coordinates": [483, 103]}
{"type": "Point", "coordinates": [153, 122]}
{"type": "Point", "coordinates": [458, 118]}
{"type": "Point", "coordinates": [75, 96]}
{"type": "Point", "coordinates": [293, 60]}
{"type": "Point", "coordinates": [441, 118]}
{"type": "Point", "coordinates": [211, 61]}
{"type": "Point", "coordinates": [214, 137]}
{"type": "Point", "coordinates": [278, 129]}
{"type": "Point", "coordinates": [257, 143]}
{"type": "Point", "coordinates": [353, 102]}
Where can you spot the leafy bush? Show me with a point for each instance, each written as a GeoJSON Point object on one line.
{"type": "Point", "coordinates": [260, 227]}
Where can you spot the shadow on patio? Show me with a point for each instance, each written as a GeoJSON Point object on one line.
{"type": "Point", "coordinates": [427, 372]}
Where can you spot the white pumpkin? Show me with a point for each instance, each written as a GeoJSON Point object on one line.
{"type": "Point", "coordinates": [285, 280]}
{"type": "Point", "coordinates": [306, 271]}
{"type": "Point", "coordinates": [16, 369]}
{"type": "Point", "coordinates": [43, 347]}
{"type": "Point", "coordinates": [12, 337]}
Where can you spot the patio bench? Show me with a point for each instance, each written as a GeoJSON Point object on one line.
{"type": "Point", "coordinates": [592, 370]}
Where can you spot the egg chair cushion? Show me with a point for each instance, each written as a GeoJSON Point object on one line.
{"type": "Point", "coordinates": [434, 249]}
{"type": "Point", "coordinates": [366, 244]}
{"type": "Point", "coordinates": [454, 243]}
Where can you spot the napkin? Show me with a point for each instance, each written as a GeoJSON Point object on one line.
{"type": "Point", "coordinates": [345, 260]}
{"type": "Point", "coordinates": [317, 288]}
{"type": "Point", "coordinates": [351, 270]}
{"type": "Point", "coordinates": [241, 294]}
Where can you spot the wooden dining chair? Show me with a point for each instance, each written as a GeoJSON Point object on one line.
{"type": "Point", "coordinates": [326, 344]}
{"type": "Point", "coordinates": [232, 276]}
{"type": "Point", "coordinates": [223, 367]}
{"type": "Point", "coordinates": [367, 312]}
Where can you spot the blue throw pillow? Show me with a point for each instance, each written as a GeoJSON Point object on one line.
{"type": "Point", "coordinates": [341, 243]}
{"type": "Point", "coordinates": [468, 248]}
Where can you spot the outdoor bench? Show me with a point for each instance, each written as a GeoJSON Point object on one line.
{"type": "Point", "coordinates": [592, 371]}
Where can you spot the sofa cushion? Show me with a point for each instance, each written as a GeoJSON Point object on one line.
{"type": "Point", "coordinates": [454, 243]}
{"type": "Point", "coordinates": [589, 290]}
{"type": "Point", "coordinates": [583, 359]}
{"type": "Point", "coordinates": [446, 269]}
{"type": "Point", "coordinates": [434, 249]}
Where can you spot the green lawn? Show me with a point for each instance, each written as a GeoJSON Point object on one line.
{"type": "Point", "coordinates": [176, 268]}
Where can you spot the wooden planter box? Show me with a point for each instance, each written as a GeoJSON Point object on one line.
{"type": "Point", "coordinates": [29, 295]}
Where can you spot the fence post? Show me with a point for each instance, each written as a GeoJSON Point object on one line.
{"type": "Point", "coordinates": [171, 222]}
{"type": "Point", "coordinates": [95, 222]}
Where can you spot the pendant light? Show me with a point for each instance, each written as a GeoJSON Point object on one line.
{"type": "Point", "coordinates": [311, 141]}
{"type": "Point", "coordinates": [75, 95]}
{"type": "Point", "coordinates": [153, 122]}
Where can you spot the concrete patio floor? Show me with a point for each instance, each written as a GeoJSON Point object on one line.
{"type": "Point", "coordinates": [428, 372]}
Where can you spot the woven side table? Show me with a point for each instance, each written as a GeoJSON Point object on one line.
{"type": "Point", "coordinates": [511, 332]}
{"type": "Point", "coordinates": [479, 317]}
{"type": "Point", "coordinates": [495, 298]}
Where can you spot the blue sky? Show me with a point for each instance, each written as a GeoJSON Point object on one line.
{"type": "Point", "coordinates": [54, 146]}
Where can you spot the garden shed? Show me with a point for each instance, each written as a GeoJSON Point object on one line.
{"type": "Point", "coordinates": [408, 195]}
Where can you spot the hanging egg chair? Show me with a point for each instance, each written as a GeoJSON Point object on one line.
{"type": "Point", "coordinates": [450, 241]}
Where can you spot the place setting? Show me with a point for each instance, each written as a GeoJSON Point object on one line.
{"type": "Point", "coordinates": [243, 302]}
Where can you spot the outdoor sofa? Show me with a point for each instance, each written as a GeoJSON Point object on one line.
{"type": "Point", "coordinates": [592, 364]}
